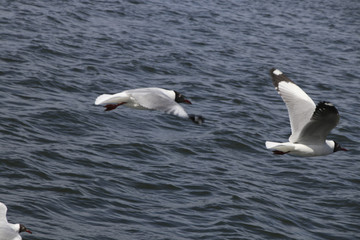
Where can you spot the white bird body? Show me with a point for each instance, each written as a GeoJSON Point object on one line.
{"type": "Point", "coordinates": [302, 150]}
{"type": "Point", "coordinates": [9, 231]}
{"type": "Point", "coordinates": [148, 99]}
{"type": "Point", "coordinates": [135, 98]}
{"type": "Point", "coordinates": [310, 123]}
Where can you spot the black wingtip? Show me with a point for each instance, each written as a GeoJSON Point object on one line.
{"type": "Point", "coordinates": [277, 76]}
{"type": "Point", "coordinates": [275, 71]}
{"type": "Point", "coordinates": [272, 70]}
{"type": "Point", "coordinates": [325, 108]}
{"type": "Point", "coordinates": [197, 119]}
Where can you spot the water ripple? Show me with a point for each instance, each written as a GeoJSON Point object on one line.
{"type": "Point", "coordinates": [72, 171]}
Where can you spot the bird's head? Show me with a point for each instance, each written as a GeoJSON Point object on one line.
{"type": "Point", "coordinates": [179, 98]}
{"type": "Point", "coordinates": [24, 229]}
{"type": "Point", "coordinates": [338, 147]}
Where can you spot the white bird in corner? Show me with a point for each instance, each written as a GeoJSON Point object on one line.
{"type": "Point", "coordinates": [9, 231]}
{"type": "Point", "coordinates": [310, 123]}
{"type": "Point", "coordinates": [149, 98]}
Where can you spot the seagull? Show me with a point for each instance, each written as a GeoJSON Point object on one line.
{"type": "Point", "coordinates": [149, 98]}
{"type": "Point", "coordinates": [9, 231]}
{"type": "Point", "coordinates": [310, 123]}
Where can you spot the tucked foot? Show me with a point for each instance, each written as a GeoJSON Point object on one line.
{"type": "Point", "coordinates": [197, 119]}
{"type": "Point", "coordinates": [110, 107]}
{"type": "Point", "coordinates": [277, 152]}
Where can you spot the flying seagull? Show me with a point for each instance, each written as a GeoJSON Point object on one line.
{"type": "Point", "coordinates": [149, 98]}
{"type": "Point", "coordinates": [9, 231]}
{"type": "Point", "coordinates": [310, 123]}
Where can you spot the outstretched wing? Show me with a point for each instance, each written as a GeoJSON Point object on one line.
{"type": "Point", "coordinates": [324, 119]}
{"type": "Point", "coordinates": [3, 210]}
{"type": "Point", "coordinates": [156, 99]}
{"type": "Point", "coordinates": [300, 106]}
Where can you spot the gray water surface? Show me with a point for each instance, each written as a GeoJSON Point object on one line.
{"type": "Point", "coordinates": [69, 170]}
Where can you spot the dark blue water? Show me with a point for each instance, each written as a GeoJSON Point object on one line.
{"type": "Point", "coordinates": [69, 170]}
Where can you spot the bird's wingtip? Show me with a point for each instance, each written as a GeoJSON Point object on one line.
{"type": "Point", "coordinates": [275, 71]}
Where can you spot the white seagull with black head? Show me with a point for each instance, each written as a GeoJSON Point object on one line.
{"type": "Point", "coordinates": [9, 231]}
{"type": "Point", "coordinates": [149, 98]}
{"type": "Point", "coordinates": [310, 123]}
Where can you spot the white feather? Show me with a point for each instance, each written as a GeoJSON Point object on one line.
{"type": "Point", "coordinates": [300, 107]}
{"type": "Point", "coordinates": [310, 124]}
{"type": "Point", "coordinates": [145, 98]}
{"type": "Point", "coordinates": [8, 231]}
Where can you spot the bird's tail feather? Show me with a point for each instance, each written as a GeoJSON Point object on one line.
{"type": "Point", "coordinates": [271, 145]}
{"type": "Point", "coordinates": [283, 147]}
{"type": "Point", "coordinates": [110, 99]}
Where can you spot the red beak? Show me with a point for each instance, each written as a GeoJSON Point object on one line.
{"type": "Point", "coordinates": [344, 149]}
{"type": "Point", "coordinates": [27, 230]}
{"type": "Point", "coordinates": [187, 101]}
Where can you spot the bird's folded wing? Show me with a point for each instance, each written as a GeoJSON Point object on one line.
{"type": "Point", "coordinates": [300, 106]}
{"type": "Point", "coordinates": [324, 119]}
{"type": "Point", "coordinates": [157, 100]}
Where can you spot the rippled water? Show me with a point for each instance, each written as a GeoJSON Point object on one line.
{"type": "Point", "coordinates": [69, 170]}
